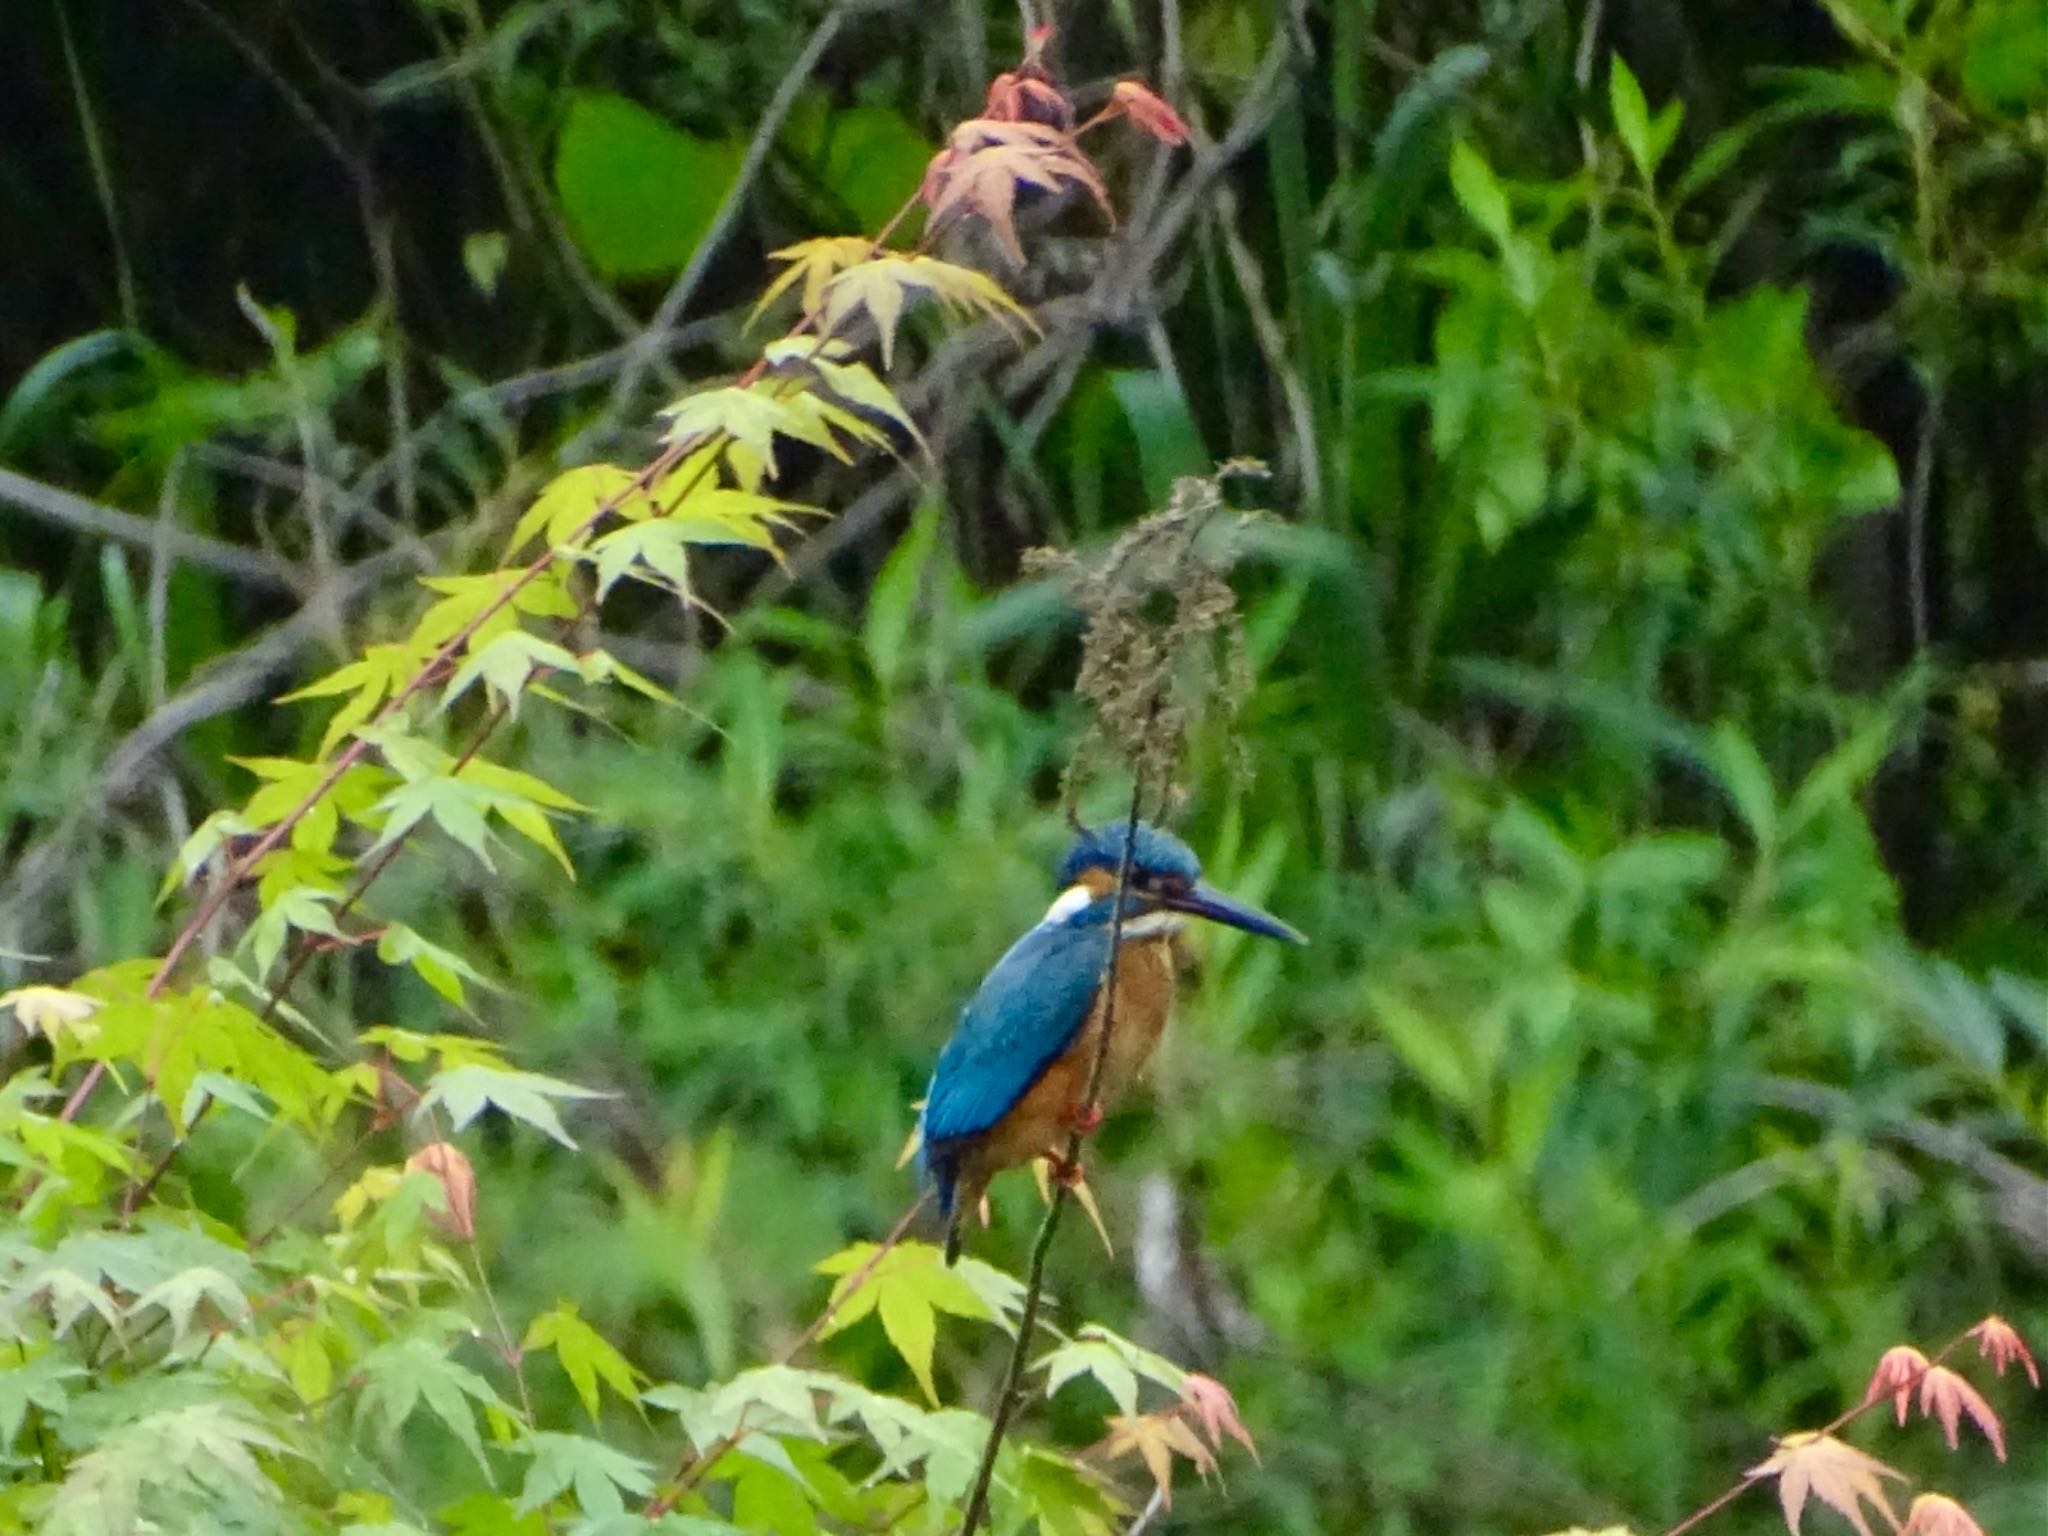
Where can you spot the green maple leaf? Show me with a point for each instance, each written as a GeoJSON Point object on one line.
{"type": "Point", "coordinates": [41, 1384]}
{"type": "Point", "coordinates": [466, 1091]}
{"type": "Point", "coordinates": [401, 1377]}
{"type": "Point", "coordinates": [585, 1355]}
{"type": "Point", "coordinates": [595, 1472]}
{"type": "Point", "coordinates": [905, 1288]}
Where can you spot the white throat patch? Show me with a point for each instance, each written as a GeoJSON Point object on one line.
{"type": "Point", "coordinates": [1151, 925]}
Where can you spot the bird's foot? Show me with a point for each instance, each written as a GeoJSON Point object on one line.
{"type": "Point", "coordinates": [1067, 1171]}
{"type": "Point", "coordinates": [1082, 1119]}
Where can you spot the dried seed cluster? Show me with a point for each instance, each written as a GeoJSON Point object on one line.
{"type": "Point", "coordinates": [1163, 641]}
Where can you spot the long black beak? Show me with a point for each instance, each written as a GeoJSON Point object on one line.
{"type": "Point", "coordinates": [1204, 900]}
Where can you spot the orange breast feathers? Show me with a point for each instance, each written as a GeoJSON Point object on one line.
{"type": "Point", "coordinates": [1039, 1124]}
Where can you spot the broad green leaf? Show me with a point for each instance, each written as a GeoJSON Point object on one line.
{"type": "Point", "coordinates": [1479, 192]}
{"type": "Point", "coordinates": [638, 194]}
{"type": "Point", "coordinates": [769, 1498]}
{"type": "Point", "coordinates": [2005, 55]}
{"type": "Point", "coordinates": [307, 1363]}
{"type": "Point", "coordinates": [874, 159]}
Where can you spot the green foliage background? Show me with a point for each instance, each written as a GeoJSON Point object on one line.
{"type": "Point", "coordinates": [1648, 721]}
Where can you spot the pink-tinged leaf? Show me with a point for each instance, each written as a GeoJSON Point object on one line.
{"type": "Point", "coordinates": [1149, 111]}
{"type": "Point", "coordinates": [1935, 1514]}
{"type": "Point", "coordinates": [450, 1168]}
{"type": "Point", "coordinates": [2000, 1343]}
{"type": "Point", "coordinates": [1899, 1371]}
{"type": "Point", "coordinates": [1948, 1397]}
{"type": "Point", "coordinates": [1211, 1403]}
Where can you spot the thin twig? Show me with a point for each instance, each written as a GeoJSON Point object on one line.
{"type": "Point", "coordinates": [1734, 1491]}
{"type": "Point", "coordinates": [1010, 1395]}
{"type": "Point", "coordinates": [695, 1465]}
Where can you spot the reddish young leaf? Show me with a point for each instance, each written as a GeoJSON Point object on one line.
{"type": "Point", "coordinates": [982, 168]}
{"type": "Point", "coordinates": [1809, 1465]}
{"type": "Point", "coordinates": [1149, 112]}
{"type": "Point", "coordinates": [1211, 1403]}
{"type": "Point", "coordinates": [1946, 1396]}
{"type": "Point", "coordinates": [1899, 1371]}
{"type": "Point", "coordinates": [1027, 95]}
{"type": "Point", "coordinates": [450, 1167]}
{"type": "Point", "coordinates": [1935, 1514]}
{"type": "Point", "coordinates": [2000, 1343]}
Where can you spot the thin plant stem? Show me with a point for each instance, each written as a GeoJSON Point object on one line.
{"type": "Point", "coordinates": [1734, 1491]}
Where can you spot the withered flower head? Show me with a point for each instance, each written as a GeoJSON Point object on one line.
{"type": "Point", "coordinates": [1163, 640]}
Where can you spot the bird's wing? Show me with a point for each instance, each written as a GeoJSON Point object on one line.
{"type": "Point", "coordinates": [1026, 1014]}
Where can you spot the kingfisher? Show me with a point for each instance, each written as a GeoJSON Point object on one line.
{"type": "Point", "coordinates": [1012, 1083]}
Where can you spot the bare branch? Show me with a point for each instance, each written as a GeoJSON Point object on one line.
{"type": "Point", "coordinates": [77, 514]}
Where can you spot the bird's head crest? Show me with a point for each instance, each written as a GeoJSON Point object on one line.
{"type": "Point", "coordinates": [1154, 853]}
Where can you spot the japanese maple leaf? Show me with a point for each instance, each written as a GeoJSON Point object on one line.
{"type": "Point", "coordinates": [1208, 1400]}
{"type": "Point", "coordinates": [1997, 1341]}
{"type": "Point", "coordinates": [1028, 95]}
{"type": "Point", "coordinates": [1946, 1396]}
{"type": "Point", "coordinates": [1935, 1514]}
{"type": "Point", "coordinates": [1899, 1370]}
{"type": "Point", "coordinates": [1809, 1465]}
{"type": "Point", "coordinates": [1157, 1438]}
{"type": "Point", "coordinates": [985, 164]}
